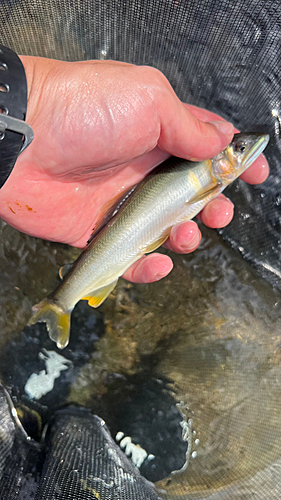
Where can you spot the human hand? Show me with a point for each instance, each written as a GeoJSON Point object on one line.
{"type": "Point", "coordinates": [99, 127]}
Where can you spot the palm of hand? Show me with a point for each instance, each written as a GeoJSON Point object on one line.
{"type": "Point", "coordinates": [86, 150]}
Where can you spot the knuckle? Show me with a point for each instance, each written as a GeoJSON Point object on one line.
{"type": "Point", "coordinates": [153, 78]}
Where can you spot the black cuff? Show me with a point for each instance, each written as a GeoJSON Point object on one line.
{"type": "Point", "coordinates": [15, 134]}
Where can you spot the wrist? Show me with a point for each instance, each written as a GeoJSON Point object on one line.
{"type": "Point", "coordinates": [15, 134]}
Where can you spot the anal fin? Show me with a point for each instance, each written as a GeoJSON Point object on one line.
{"type": "Point", "coordinates": [97, 297]}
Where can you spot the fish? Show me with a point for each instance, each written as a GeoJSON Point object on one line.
{"type": "Point", "coordinates": [175, 191]}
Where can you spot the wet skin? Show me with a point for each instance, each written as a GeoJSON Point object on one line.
{"type": "Point", "coordinates": [99, 127]}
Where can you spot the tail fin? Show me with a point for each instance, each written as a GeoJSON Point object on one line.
{"type": "Point", "coordinates": [56, 319]}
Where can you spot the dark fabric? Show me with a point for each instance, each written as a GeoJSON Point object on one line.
{"type": "Point", "coordinates": [13, 102]}
{"type": "Point", "coordinates": [77, 459]}
{"type": "Point", "coordinates": [20, 460]}
{"type": "Point", "coordinates": [83, 462]}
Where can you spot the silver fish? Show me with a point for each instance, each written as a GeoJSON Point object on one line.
{"type": "Point", "coordinates": [174, 192]}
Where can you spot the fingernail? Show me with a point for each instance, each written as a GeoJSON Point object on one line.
{"type": "Point", "coordinates": [223, 127]}
{"type": "Point", "coordinates": [159, 276]}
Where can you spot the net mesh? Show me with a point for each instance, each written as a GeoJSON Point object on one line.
{"type": "Point", "coordinates": [79, 461]}
{"type": "Point", "coordinates": [83, 462]}
{"type": "Point", "coordinates": [220, 55]}
{"type": "Point", "coordinates": [19, 460]}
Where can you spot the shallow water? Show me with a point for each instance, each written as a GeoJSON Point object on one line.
{"type": "Point", "coordinates": [207, 337]}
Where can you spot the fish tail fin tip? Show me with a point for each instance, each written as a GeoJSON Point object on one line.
{"type": "Point", "coordinates": [56, 319]}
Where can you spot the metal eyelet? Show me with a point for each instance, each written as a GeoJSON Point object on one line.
{"type": "Point", "coordinates": [3, 67]}
{"type": "Point", "coordinates": [4, 87]}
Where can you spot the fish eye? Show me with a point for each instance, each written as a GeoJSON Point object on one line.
{"type": "Point", "coordinates": [240, 147]}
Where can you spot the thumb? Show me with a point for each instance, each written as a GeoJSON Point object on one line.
{"type": "Point", "coordinates": [185, 136]}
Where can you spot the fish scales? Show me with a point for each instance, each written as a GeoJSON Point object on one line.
{"type": "Point", "coordinates": [140, 221]}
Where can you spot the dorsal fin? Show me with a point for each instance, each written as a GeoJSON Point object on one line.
{"type": "Point", "coordinates": [110, 209]}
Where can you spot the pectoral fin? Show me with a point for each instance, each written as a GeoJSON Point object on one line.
{"type": "Point", "coordinates": [64, 270]}
{"type": "Point", "coordinates": [97, 297]}
{"type": "Point", "coordinates": [156, 244]}
{"type": "Point", "coordinates": [206, 195]}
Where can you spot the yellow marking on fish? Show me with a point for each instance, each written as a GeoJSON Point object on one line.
{"type": "Point", "coordinates": [98, 296]}
{"type": "Point", "coordinates": [195, 181]}
{"type": "Point", "coordinates": [94, 301]}
{"type": "Point", "coordinates": [56, 319]}
{"type": "Point", "coordinates": [92, 490]}
{"type": "Point", "coordinates": [64, 321]}
{"type": "Point", "coordinates": [206, 195]}
{"type": "Point", "coordinates": [63, 325]}
{"type": "Point", "coordinates": [156, 244]}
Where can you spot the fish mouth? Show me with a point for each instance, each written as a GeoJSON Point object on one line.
{"type": "Point", "coordinates": [256, 150]}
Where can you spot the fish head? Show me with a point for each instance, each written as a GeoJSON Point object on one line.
{"type": "Point", "coordinates": [243, 150]}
